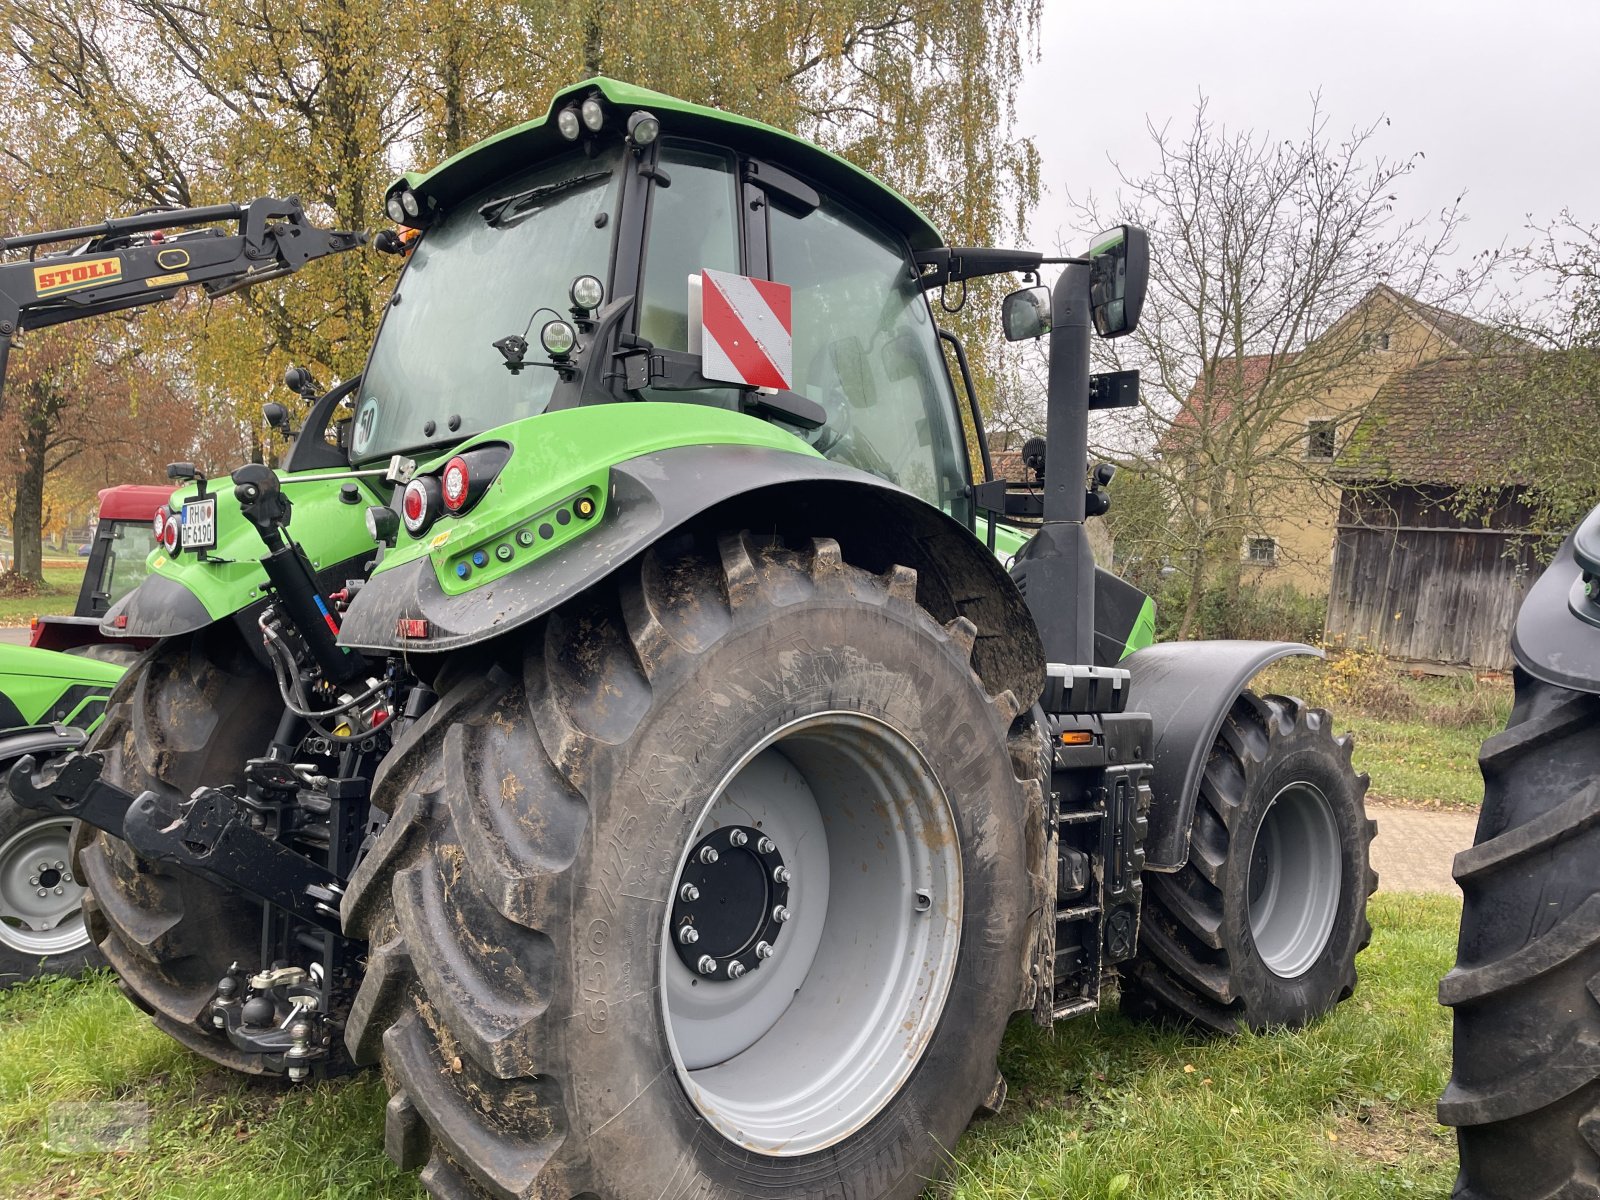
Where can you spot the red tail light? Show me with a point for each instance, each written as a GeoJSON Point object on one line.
{"type": "Point", "coordinates": [455, 483]}
{"type": "Point", "coordinates": [417, 505]}
{"type": "Point", "coordinates": [169, 535]}
{"type": "Point", "coordinates": [161, 522]}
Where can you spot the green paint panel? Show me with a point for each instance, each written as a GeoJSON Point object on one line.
{"type": "Point", "coordinates": [556, 459]}
{"type": "Point", "coordinates": [1143, 632]}
{"type": "Point", "coordinates": [522, 145]}
{"type": "Point", "coordinates": [37, 681]}
{"type": "Point", "coordinates": [230, 577]}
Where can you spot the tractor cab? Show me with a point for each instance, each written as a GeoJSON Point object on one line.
{"type": "Point", "coordinates": [632, 247]}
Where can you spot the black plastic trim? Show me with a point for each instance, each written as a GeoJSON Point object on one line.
{"type": "Point", "coordinates": [1553, 639]}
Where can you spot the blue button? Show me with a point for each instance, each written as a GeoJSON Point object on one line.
{"type": "Point", "coordinates": [462, 570]}
{"type": "Point", "coordinates": [479, 558]}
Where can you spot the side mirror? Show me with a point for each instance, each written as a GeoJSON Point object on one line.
{"type": "Point", "coordinates": [1026, 314]}
{"type": "Point", "coordinates": [1119, 274]}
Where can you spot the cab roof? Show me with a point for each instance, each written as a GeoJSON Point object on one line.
{"type": "Point", "coordinates": [478, 166]}
{"type": "Point", "coordinates": [132, 501]}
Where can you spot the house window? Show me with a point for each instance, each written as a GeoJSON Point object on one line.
{"type": "Point", "coordinates": [1262, 551]}
{"type": "Point", "coordinates": [1375, 341]}
{"type": "Point", "coordinates": [1319, 439]}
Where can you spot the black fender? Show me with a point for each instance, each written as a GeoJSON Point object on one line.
{"type": "Point", "coordinates": [1557, 635]}
{"type": "Point", "coordinates": [877, 525]}
{"type": "Point", "coordinates": [1188, 688]}
{"type": "Point", "coordinates": [41, 741]}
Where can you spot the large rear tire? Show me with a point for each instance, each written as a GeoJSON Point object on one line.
{"type": "Point", "coordinates": [540, 1030]}
{"type": "Point", "coordinates": [1262, 927]}
{"type": "Point", "coordinates": [1524, 1091]}
{"type": "Point", "coordinates": [190, 712]}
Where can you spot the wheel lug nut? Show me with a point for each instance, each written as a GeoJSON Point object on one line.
{"type": "Point", "coordinates": [33, 881]}
{"type": "Point", "coordinates": [735, 969]}
{"type": "Point", "coordinates": [60, 866]}
{"type": "Point", "coordinates": [708, 965]}
{"type": "Point", "coordinates": [766, 845]}
{"type": "Point", "coordinates": [688, 934]}
{"type": "Point", "coordinates": [42, 892]}
{"type": "Point", "coordinates": [763, 950]}
{"type": "Point", "coordinates": [780, 914]}
{"type": "Point", "coordinates": [708, 855]}
{"type": "Point", "coordinates": [59, 892]}
{"type": "Point", "coordinates": [738, 837]}
{"type": "Point", "coordinates": [780, 874]}
{"type": "Point", "coordinates": [688, 893]}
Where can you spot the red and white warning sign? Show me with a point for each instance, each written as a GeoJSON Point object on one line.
{"type": "Point", "coordinates": [746, 330]}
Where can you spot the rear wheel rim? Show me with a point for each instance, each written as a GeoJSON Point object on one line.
{"type": "Point", "coordinates": [41, 903]}
{"type": "Point", "coordinates": [1294, 884]}
{"type": "Point", "coordinates": [804, 1049]}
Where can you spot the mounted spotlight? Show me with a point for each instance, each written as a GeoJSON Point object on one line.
{"type": "Point", "coordinates": [586, 292]}
{"type": "Point", "coordinates": [594, 115]}
{"type": "Point", "coordinates": [643, 128]}
{"type": "Point", "coordinates": [568, 125]}
{"type": "Point", "coordinates": [558, 339]}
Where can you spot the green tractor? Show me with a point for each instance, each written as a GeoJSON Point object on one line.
{"type": "Point", "coordinates": [49, 702]}
{"type": "Point", "coordinates": [615, 720]}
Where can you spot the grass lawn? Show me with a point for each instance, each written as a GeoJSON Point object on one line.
{"type": "Point", "coordinates": [61, 583]}
{"type": "Point", "coordinates": [1417, 737]}
{"type": "Point", "coordinates": [1100, 1109]}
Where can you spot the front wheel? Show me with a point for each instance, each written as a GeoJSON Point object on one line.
{"type": "Point", "coordinates": [42, 929]}
{"type": "Point", "coordinates": [723, 889]}
{"type": "Point", "coordinates": [1261, 928]}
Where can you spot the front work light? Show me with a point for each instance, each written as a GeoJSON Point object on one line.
{"type": "Point", "coordinates": [567, 124]}
{"type": "Point", "coordinates": [594, 117]}
{"type": "Point", "coordinates": [558, 338]}
{"type": "Point", "coordinates": [587, 292]}
{"type": "Point", "coordinates": [643, 128]}
{"type": "Point", "coordinates": [408, 202]}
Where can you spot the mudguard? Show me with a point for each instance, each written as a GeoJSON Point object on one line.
{"type": "Point", "coordinates": [756, 487]}
{"type": "Point", "coordinates": [1187, 688]}
{"type": "Point", "coordinates": [1557, 634]}
{"type": "Point", "coordinates": [41, 741]}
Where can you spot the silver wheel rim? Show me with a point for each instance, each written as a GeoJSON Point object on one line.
{"type": "Point", "coordinates": [41, 904]}
{"type": "Point", "coordinates": [804, 1051]}
{"type": "Point", "coordinates": [1294, 883]}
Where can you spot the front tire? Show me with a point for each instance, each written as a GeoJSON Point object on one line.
{"type": "Point", "coordinates": [540, 1030]}
{"type": "Point", "coordinates": [1524, 1091]}
{"type": "Point", "coordinates": [1261, 928]}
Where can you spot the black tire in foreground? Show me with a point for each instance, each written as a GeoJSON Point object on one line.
{"type": "Point", "coordinates": [190, 712]}
{"type": "Point", "coordinates": [1524, 1091]}
{"type": "Point", "coordinates": [1262, 927]}
{"type": "Point", "coordinates": [732, 729]}
{"type": "Point", "coordinates": [42, 930]}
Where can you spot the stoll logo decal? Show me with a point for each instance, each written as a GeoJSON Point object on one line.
{"type": "Point", "coordinates": [57, 278]}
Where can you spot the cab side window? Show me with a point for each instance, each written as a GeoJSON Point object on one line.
{"type": "Point", "coordinates": [865, 348]}
{"type": "Point", "coordinates": [692, 227]}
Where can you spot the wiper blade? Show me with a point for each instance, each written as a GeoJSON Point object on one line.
{"type": "Point", "coordinates": [519, 202]}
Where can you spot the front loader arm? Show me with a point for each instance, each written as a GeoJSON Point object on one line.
{"type": "Point", "coordinates": [127, 262]}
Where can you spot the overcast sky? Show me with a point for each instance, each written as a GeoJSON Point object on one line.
{"type": "Point", "coordinates": [1502, 97]}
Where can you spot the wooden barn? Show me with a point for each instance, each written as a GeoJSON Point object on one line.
{"type": "Point", "coordinates": [1414, 576]}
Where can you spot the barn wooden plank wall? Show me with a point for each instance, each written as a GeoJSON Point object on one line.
{"type": "Point", "coordinates": [1414, 580]}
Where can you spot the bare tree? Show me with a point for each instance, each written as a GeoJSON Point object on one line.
{"type": "Point", "coordinates": [1276, 265]}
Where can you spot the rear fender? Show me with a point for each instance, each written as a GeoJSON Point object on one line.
{"type": "Point", "coordinates": [1557, 635]}
{"type": "Point", "coordinates": [41, 741]}
{"type": "Point", "coordinates": [1188, 688]}
{"type": "Point", "coordinates": [724, 486]}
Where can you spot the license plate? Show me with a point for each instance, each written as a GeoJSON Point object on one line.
{"type": "Point", "coordinates": [199, 530]}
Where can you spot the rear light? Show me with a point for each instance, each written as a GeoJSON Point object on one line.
{"type": "Point", "coordinates": [419, 505]}
{"type": "Point", "coordinates": [160, 522]}
{"type": "Point", "coordinates": [455, 483]}
{"type": "Point", "coordinates": [169, 535]}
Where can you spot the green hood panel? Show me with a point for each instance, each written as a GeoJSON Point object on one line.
{"type": "Point", "coordinates": [557, 459]}
{"type": "Point", "coordinates": [185, 591]}
{"type": "Point", "coordinates": [40, 687]}
{"type": "Point", "coordinates": [479, 165]}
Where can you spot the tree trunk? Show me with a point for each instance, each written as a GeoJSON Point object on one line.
{"type": "Point", "coordinates": [27, 510]}
{"type": "Point", "coordinates": [1197, 588]}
